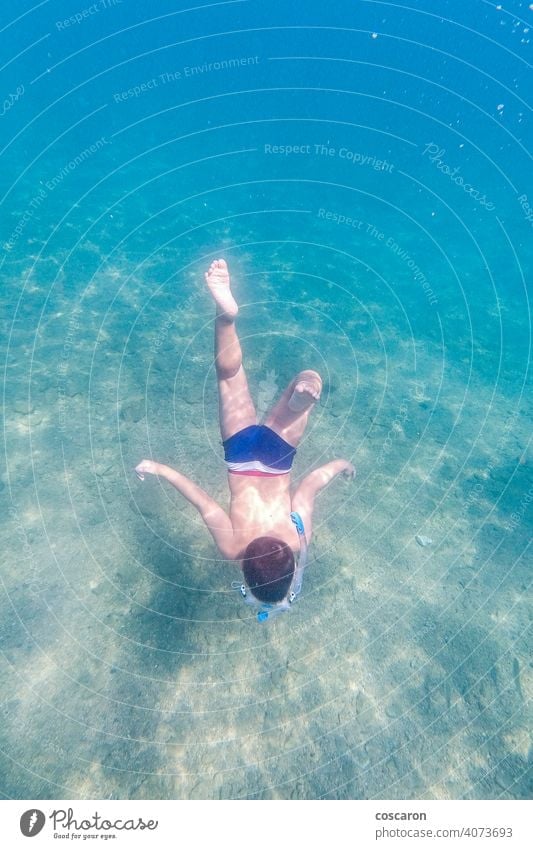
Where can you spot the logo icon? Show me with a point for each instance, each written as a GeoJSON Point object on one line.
{"type": "Point", "coordinates": [32, 822]}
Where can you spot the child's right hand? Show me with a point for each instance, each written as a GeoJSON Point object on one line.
{"type": "Point", "coordinates": [349, 471]}
{"type": "Point", "coordinates": [145, 467]}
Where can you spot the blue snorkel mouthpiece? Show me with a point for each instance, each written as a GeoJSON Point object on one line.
{"type": "Point", "coordinates": [297, 520]}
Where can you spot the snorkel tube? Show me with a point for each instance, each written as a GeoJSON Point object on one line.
{"type": "Point", "coordinates": [302, 560]}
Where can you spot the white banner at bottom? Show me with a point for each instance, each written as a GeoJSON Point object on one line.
{"type": "Point", "coordinates": [268, 824]}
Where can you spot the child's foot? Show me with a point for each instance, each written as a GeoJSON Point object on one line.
{"type": "Point", "coordinates": [306, 392]}
{"type": "Point", "coordinates": [217, 279]}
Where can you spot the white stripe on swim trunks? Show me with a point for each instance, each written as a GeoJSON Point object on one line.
{"type": "Point", "coordinates": [255, 466]}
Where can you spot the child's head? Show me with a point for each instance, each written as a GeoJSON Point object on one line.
{"type": "Point", "coordinates": [268, 567]}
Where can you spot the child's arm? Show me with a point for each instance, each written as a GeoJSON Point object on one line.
{"type": "Point", "coordinates": [217, 520]}
{"type": "Point", "coordinates": [303, 499]}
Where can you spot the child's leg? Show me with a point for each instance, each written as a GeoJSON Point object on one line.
{"type": "Point", "coordinates": [236, 408]}
{"type": "Point", "coordinates": [288, 418]}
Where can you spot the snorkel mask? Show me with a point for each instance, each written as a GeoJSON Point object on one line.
{"type": "Point", "coordinates": [269, 610]}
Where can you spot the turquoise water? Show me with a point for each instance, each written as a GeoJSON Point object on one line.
{"type": "Point", "coordinates": [364, 170]}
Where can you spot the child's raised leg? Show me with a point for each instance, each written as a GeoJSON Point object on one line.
{"type": "Point", "coordinates": [288, 418]}
{"type": "Point", "coordinates": [236, 408]}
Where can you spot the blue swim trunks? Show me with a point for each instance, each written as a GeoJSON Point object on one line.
{"type": "Point", "coordinates": [258, 450]}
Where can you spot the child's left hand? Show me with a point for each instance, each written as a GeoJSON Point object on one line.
{"type": "Point", "coordinates": [145, 467]}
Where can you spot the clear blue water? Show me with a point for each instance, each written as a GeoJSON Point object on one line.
{"type": "Point", "coordinates": [364, 169]}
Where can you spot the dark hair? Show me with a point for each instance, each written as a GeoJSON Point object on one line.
{"type": "Point", "coordinates": [268, 567]}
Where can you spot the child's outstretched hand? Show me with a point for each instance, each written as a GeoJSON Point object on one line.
{"type": "Point", "coordinates": [349, 471]}
{"type": "Point", "coordinates": [145, 467]}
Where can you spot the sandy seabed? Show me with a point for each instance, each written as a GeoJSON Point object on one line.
{"type": "Point", "coordinates": [129, 667]}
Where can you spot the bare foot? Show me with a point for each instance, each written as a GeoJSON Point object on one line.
{"type": "Point", "coordinates": [306, 393]}
{"type": "Point", "coordinates": [217, 279]}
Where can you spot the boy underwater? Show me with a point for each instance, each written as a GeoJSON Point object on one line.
{"type": "Point", "coordinates": [267, 524]}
